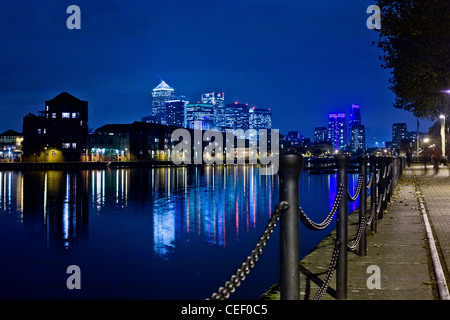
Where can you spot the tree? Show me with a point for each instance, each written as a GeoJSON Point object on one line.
{"type": "Point", "coordinates": [415, 39]}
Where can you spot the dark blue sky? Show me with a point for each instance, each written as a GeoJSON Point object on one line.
{"type": "Point", "coordinates": [303, 59]}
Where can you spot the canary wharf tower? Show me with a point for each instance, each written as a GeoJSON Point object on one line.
{"type": "Point", "coordinates": [160, 95]}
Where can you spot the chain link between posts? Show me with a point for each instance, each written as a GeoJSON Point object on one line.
{"type": "Point", "coordinates": [230, 286]}
{"type": "Point", "coordinates": [236, 279]}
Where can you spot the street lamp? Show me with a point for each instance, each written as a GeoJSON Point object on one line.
{"type": "Point", "coordinates": [442, 117]}
{"type": "Point", "coordinates": [443, 128]}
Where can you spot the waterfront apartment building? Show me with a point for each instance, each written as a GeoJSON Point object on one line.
{"type": "Point", "coordinates": [58, 133]}
{"type": "Point", "coordinates": [337, 129]}
{"type": "Point", "coordinates": [141, 141]}
{"type": "Point", "coordinates": [138, 141]}
{"type": "Point", "coordinates": [11, 144]}
{"type": "Point", "coordinates": [160, 95]}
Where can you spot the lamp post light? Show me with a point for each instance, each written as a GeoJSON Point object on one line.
{"type": "Point", "coordinates": [442, 117]}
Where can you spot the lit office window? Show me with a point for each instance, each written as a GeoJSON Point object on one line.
{"type": "Point", "coordinates": [74, 145]}
{"type": "Point", "coordinates": [65, 115]}
{"type": "Point", "coordinates": [66, 145]}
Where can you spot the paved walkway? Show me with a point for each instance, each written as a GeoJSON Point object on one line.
{"type": "Point", "coordinates": [399, 249]}
{"type": "Point", "coordinates": [436, 192]}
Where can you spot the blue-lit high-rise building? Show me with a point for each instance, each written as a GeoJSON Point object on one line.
{"type": "Point", "coordinates": [337, 129]}
{"type": "Point", "coordinates": [355, 116]}
{"type": "Point", "coordinates": [357, 131]}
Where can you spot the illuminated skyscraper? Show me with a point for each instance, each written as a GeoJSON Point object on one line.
{"type": "Point", "coordinates": [200, 116]}
{"type": "Point", "coordinates": [237, 116]}
{"type": "Point", "coordinates": [337, 129]}
{"type": "Point", "coordinates": [160, 95]}
{"type": "Point", "coordinates": [175, 112]}
{"type": "Point", "coordinates": [218, 102]}
{"type": "Point", "coordinates": [355, 116]}
{"type": "Point", "coordinates": [358, 137]}
{"type": "Point", "coordinates": [260, 118]}
{"type": "Point", "coordinates": [357, 131]}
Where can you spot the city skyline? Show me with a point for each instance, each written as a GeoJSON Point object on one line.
{"type": "Point", "coordinates": [303, 61]}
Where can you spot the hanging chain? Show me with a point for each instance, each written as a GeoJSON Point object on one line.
{"type": "Point", "coordinates": [322, 225]}
{"type": "Point", "coordinates": [230, 286]}
{"type": "Point", "coordinates": [326, 281]}
{"type": "Point", "coordinates": [358, 190]}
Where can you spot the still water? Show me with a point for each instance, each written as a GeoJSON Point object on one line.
{"type": "Point", "coordinates": [145, 233]}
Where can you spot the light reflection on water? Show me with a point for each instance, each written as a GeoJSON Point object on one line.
{"type": "Point", "coordinates": [159, 233]}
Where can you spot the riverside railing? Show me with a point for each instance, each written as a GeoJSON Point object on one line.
{"type": "Point", "coordinates": [383, 177]}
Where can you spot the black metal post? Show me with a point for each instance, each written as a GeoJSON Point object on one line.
{"type": "Point", "coordinates": [363, 204]}
{"type": "Point", "coordinates": [385, 184]}
{"type": "Point", "coordinates": [396, 165]}
{"type": "Point", "coordinates": [390, 181]}
{"type": "Point", "coordinates": [341, 227]}
{"type": "Point", "coordinates": [381, 170]}
{"type": "Point", "coordinates": [373, 191]}
{"type": "Point", "coordinates": [289, 173]}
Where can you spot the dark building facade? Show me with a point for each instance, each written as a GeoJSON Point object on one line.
{"type": "Point", "coordinates": [399, 132]}
{"type": "Point", "coordinates": [141, 141]}
{"type": "Point", "coordinates": [137, 141]}
{"type": "Point", "coordinates": [59, 133]}
{"type": "Point", "coordinates": [320, 134]}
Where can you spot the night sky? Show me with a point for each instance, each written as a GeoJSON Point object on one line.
{"type": "Point", "coordinates": [302, 59]}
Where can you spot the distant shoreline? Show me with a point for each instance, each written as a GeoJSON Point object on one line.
{"type": "Point", "coordinates": [92, 165]}
{"type": "Point", "coordinates": [17, 166]}
{"type": "Point", "coordinates": [326, 166]}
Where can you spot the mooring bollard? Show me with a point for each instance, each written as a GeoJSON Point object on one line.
{"type": "Point", "coordinates": [389, 182]}
{"type": "Point", "coordinates": [341, 227]}
{"type": "Point", "coordinates": [381, 171]}
{"type": "Point", "coordinates": [363, 204]}
{"type": "Point", "coordinates": [289, 173]}
{"type": "Point", "coordinates": [385, 184]}
{"type": "Point", "coordinates": [373, 192]}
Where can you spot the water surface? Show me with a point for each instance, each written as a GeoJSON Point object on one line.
{"type": "Point", "coordinates": [145, 233]}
